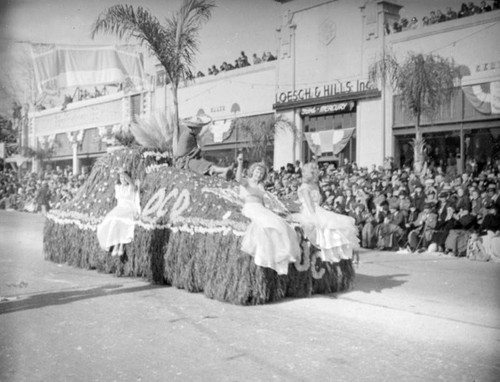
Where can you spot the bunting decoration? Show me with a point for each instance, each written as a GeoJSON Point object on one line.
{"type": "Point", "coordinates": [329, 140]}
{"type": "Point", "coordinates": [484, 97]}
{"type": "Point", "coordinates": [58, 67]}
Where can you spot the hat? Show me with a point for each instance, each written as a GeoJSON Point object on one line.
{"type": "Point", "coordinates": [492, 186]}
{"type": "Point", "coordinates": [416, 183]}
{"type": "Point", "coordinates": [360, 205]}
{"type": "Point", "coordinates": [197, 121]}
{"type": "Point", "coordinates": [444, 194]}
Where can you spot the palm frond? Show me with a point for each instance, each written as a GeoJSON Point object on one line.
{"type": "Point", "coordinates": [154, 132]}
{"type": "Point", "coordinates": [126, 22]}
{"type": "Point", "coordinates": [183, 33]}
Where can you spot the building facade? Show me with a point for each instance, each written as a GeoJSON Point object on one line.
{"type": "Point", "coordinates": [319, 91]}
{"type": "Point", "coordinates": [85, 129]}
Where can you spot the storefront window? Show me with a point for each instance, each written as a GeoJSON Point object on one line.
{"type": "Point", "coordinates": [442, 149]}
{"type": "Point", "coordinates": [481, 147]}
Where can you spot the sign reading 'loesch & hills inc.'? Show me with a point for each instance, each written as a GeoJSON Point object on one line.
{"type": "Point", "coordinates": [338, 88]}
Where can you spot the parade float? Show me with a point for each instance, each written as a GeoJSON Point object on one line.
{"type": "Point", "coordinates": [188, 235]}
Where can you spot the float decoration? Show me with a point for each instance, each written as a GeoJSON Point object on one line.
{"type": "Point", "coordinates": [188, 235]}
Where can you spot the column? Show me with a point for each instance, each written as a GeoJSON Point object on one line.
{"type": "Point", "coordinates": [76, 139]}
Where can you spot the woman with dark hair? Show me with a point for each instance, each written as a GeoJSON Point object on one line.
{"type": "Point", "coordinates": [269, 238]}
{"type": "Point", "coordinates": [117, 228]}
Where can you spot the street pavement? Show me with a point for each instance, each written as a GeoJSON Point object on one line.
{"type": "Point", "coordinates": [409, 317]}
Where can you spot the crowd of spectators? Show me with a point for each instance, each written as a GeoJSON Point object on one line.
{"type": "Point", "coordinates": [395, 210]}
{"type": "Point", "coordinates": [392, 207]}
{"type": "Point", "coordinates": [80, 94]}
{"type": "Point", "coordinates": [37, 193]}
{"type": "Point", "coordinates": [434, 17]}
{"type": "Point", "coordinates": [241, 62]}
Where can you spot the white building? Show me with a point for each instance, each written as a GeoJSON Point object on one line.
{"type": "Point", "coordinates": [319, 84]}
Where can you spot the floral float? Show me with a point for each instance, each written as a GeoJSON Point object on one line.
{"type": "Point", "coordinates": [188, 235]}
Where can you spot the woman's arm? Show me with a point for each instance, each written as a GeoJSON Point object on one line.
{"type": "Point", "coordinates": [239, 171]}
{"type": "Point", "coordinates": [128, 180]}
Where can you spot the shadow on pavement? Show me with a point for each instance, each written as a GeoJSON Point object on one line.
{"type": "Point", "coordinates": [66, 297]}
{"type": "Point", "coordinates": [368, 284]}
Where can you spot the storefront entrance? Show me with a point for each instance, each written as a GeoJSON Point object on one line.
{"type": "Point", "coordinates": [335, 122]}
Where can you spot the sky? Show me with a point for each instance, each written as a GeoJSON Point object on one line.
{"type": "Point", "coordinates": [235, 26]}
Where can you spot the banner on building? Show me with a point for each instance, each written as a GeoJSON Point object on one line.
{"type": "Point", "coordinates": [58, 67]}
{"type": "Point", "coordinates": [484, 97]}
{"type": "Point", "coordinates": [327, 141]}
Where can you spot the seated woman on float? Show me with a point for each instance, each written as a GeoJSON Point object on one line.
{"type": "Point", "coordinates": [269, 238]}
{"type": "Point", "coordinates": [117, 228]}
{"type": "Point", "coordinates": [334, 234]}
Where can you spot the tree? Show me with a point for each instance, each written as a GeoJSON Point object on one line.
{"type": "Point", "coordinates": [425, 83]}
{"type": "Point", "coordinates": [261, 131]}
{"type": "Point", "coordinates": [174, 44]}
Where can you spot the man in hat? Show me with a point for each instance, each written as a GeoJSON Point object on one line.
{"type": "Point", "coordinates": [456, 242]}
{"type": "Point", "coordinates": [418, 197]}
{"type": "Point", "coordinates": [188, 154]}
{"type": "Point", "coordinates": [425, 225]}
{"type": "Point", "coordinates": [491, 221]}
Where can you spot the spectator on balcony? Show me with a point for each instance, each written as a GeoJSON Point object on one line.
{"type": "Point", "coordinates": [256, 60]}
{"type": "Point", "coordinates": [464, 11]}
{"type": "Point", "coordinates": [396, 27]}
{"type": "Point", "coordinates": [440, 16]}
{"type": "Point", "coordinates": [433, 19]}
{"type": "Point", "coordinates": [473, 9]}
{"type": "Point", "coordinates": [413, 23]}
{"type": "Point", "coordinates": [451, 14]}
{"type": "Point", "coordinates": [244, 59]}
{"type": "Point", "coordinates": [200, 74]}
{"type": "Point", "coordinates": [484, 7]}
{"type": "Point", "coordinates": [215, 71]}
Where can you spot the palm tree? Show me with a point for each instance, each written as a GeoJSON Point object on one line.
{"type": "Point", "coordinates": [261, 131]}
{"type": "Point", "coordinates": [174, 44]}
{"type": "Point", "coordinates": [425, 83]}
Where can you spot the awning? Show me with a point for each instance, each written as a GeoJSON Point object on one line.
{"type": "Point", "coordinates": [329, 140]}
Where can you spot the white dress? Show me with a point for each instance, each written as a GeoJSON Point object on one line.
{"type": "Point", "coordinates": [118, 225]}
{"type": "Point", "coordinates": [269, 238]}
{"type": "Point", "coordinates": [334, 234]}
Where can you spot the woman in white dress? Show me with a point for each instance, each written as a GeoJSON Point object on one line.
{"type": "Point", "coordinates": [334, 234]}
{"type": "Point", "coordinates": [117, 228]}
{"type": "Point", "coordinates": [269, 238]}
